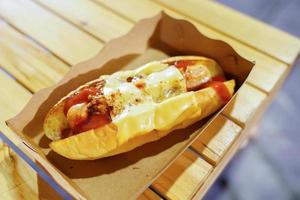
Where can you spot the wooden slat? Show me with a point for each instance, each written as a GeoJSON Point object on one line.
{"type": "Point", "coordinates": [135, 10]}
{"type": "Point", "coordinates": [244, 28]}
{"type": "Point", "coordinates": [260, 75]}
{"type": "Point", "coordinates": [14, 172]}
{"type": "Point", "coordinates": [148, 194]}
{"type": "Point", "coordinates": [21, 192]}
{"type": "Point", "coordinates": [214, 142]}
{"type": "Point", "coordinates": [245, 103]}
{"type": "Point", "coordinates": [60, 37]}
{"type": "Point", "coordinates": [12, 99]}
{"type": "Point", "coordinates": [31, 65]}
{"type": "Point", "coordinates": [17, 179]}
{"type": "Point", "coordinates": [138, 9]}
{"type": "Point", "coordinates": [201, 191]}
{"type": "Point", "coordinates": [90, 17]}
{"type": "Point", "coordinates": [180, 180]}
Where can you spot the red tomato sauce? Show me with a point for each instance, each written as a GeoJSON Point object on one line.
{"type": "Point", "coordinates": [217, 83]}
{"type": "Point", "coordinates": [219, 78]}
{"type": "Point", "coordinates": [92, 121]}
{"type": "Point", "coordinates": [81, 97]}
{"type": "Point", "coordinates": [221, 90]}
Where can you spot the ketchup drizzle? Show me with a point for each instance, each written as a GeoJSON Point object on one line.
{"type": "Point", "coordinates": [93, 120]}
{"type": "Point", "coordinates": [80, 97]}
{"type": "Point", "coordinates": [221, 90]}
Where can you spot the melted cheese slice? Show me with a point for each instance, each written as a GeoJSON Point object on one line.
{"type": "Point", "coordinates": [159, 82]}
{"type": "Point", "coordinates": [157, 117]}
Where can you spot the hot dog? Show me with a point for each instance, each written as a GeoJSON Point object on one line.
{"type": "Point", "coordinates": [119, 112]}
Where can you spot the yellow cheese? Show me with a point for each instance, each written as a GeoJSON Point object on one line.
{"type": "Point", "coordinates": [174, 110]}
{"type": "Point", "coordinates": [162, 116]}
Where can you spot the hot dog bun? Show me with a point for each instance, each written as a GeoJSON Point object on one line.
{"type": "Point", "coordinates": [130, 133]}
{"type": "Point", "coordinates": [148, 122]}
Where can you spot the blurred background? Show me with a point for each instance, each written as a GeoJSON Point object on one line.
{"type": "Point", "coordinates": [269, 166]}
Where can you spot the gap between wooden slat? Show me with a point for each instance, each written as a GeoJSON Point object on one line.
{"type": "Point", "coordinates": [19, 82]}
{"type": "Point", "coordinates": [92, 18]}
{"type": "Point", "coordinates": [155, 193]}
{"type": "Point", "coordinates": [214, 141]}
{"type": "Point", "coordinates": [71, 44]}
{"type": "Point", "coordinates": [2, 20]}
{"type": "Point", "coordinates": [180, 180]}
{"type": "Point", "coordinates": [203, 150]}
{"type": "Point", "coordinates": [113, 11]}
{"type": "Point", "coordinates": [29, 37]}
{"type": "Point", "coordinates": [40, 3]}
{"type": "Point", "coordinates": [31, 65]}
{"type": "Point", "coordinates": [243, 106]}
{"type": "Point", "coordinates": [256, 87]}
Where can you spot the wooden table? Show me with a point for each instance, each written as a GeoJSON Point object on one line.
{"type": "Point", "coordinates": [41, 39]}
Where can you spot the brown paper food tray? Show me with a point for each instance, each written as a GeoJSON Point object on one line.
{"type": "Point", "coordinates": [124, 176]}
